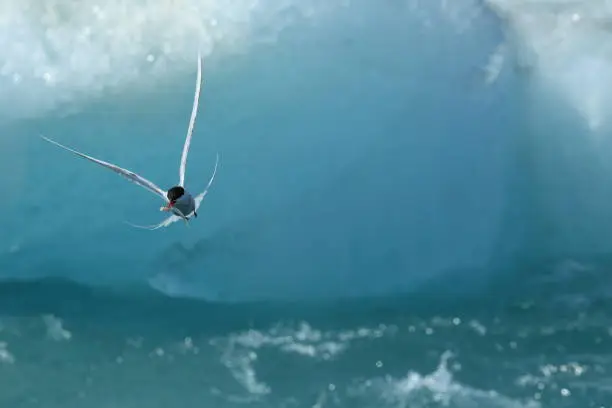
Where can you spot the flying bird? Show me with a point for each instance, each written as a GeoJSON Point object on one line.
{"type": "Point", "coordinates": [177, 199]}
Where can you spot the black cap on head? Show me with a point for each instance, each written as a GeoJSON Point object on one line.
{"type": "Point", "coordinates": [175, 193]}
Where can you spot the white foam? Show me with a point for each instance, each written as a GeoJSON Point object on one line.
{"type": "Point", "coordinates": [62, 51]}
{"type": "Point", "coordinates": [55, 329]}
{"type": "Point", "coordinates": [568, 45]}
{"type": "Point", "coordinates": [304, 341]}
{"type": "Point", "coordinates": [5, 355]}
{"type": "Point", "coordinates": [240, 350]}
{"type": "Point", "coordinates": [439, 386]}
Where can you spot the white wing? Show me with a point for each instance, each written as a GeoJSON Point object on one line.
{"type": "Point", "coordinates": [198, 199]}
{"type": "Point", "coordinates": [194, 112]}
{"type": "Point", "coordinates": [171, 219]}
{"type": "Point", "coordinates": [131, 176]}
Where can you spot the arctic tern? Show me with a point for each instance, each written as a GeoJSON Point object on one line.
{"type": "Point", "coordinates": [178, 200]}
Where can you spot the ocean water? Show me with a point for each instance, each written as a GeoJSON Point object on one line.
{"type": "Point", "coordinates": [411, 208]}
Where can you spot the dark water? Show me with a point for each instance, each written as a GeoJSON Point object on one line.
{"type": "Point", "coordinates": [71, 346]}
{"type": "Point", "coordinates": [389, 226]}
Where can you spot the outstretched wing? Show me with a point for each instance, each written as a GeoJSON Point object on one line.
{"type": "Point", "coordinates": [194, 113]}
{"type": "Point", "coordinates": [198, 199]}
{"type": "Point", "coordinates": [131, 176]}
{"type": "Point", "coordinates": [171, 219]}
